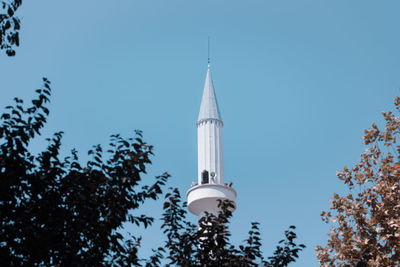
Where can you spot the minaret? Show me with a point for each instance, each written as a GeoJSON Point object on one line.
{"type": "Point", "coordinates": [210, 187]}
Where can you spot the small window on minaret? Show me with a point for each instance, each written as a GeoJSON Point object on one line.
{"type": "Point", "coordinates": [204, 177]}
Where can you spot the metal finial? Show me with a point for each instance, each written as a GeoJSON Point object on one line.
{"type": "Point", "coordinates": [208, 50]}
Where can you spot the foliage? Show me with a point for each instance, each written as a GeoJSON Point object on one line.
{"type": "Point", "coordinates": [209, 244]}
{"type": "Point", "coordinates": [9, 26]}
{"type": "Point", "coordinates": [57, 212]}
{"type": "Point", "coordinates": [366, 229]}
{"type": "Point", "coordinates": [289, 252]}
{"type": "Point", "coordinates": [182, 242]}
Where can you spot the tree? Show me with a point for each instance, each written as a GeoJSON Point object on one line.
{"type": "Point", "coordinates": [56, 211]}
{"type": "Point", "coordinates": [366, 229]}
{"type": "Point", "coordinates": [9, 26]}
{"type": "Point", "coordinates": [208, 244]}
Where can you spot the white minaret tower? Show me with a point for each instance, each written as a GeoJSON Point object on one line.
{"type": "Point", "coordinates": [210, 187]}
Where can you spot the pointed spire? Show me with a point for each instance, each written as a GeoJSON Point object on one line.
{"type": "Point", "coordinates": [209, 105]}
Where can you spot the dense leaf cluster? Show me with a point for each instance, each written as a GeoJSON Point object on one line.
{"type": "Point", "coordinates": [55, 211]}
{"type": "Point", "coordinates": [366, 221]}
{"type": "Point", "coordinates": [9, 26]}
{"type": "Point", "coordinates": [208, 243]}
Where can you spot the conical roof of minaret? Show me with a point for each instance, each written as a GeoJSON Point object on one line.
{"type": "Point", "coordinates": [209, 105]}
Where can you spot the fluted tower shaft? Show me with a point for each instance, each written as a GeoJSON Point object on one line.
{"type": "Point", "coordinates": [209, 136]}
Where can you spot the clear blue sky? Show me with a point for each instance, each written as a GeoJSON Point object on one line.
{"type": "Point", "coordinates": [297, 82]}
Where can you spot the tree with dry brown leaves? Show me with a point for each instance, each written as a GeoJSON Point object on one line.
{"type": "Point", "coordinates": [366, 222]}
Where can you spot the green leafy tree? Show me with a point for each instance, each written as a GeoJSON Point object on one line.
{"type": "Point", "coordinates": [9, 26]}
{"type": "Point", "coordinates": [56, 211]}
{"type": "Point", "coordinates": [366, 222]}
{"type": "Point", "coordinates": [208, 244]}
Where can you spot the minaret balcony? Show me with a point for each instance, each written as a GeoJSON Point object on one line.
{"type": "Point", "coordinates": [204, 197]}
